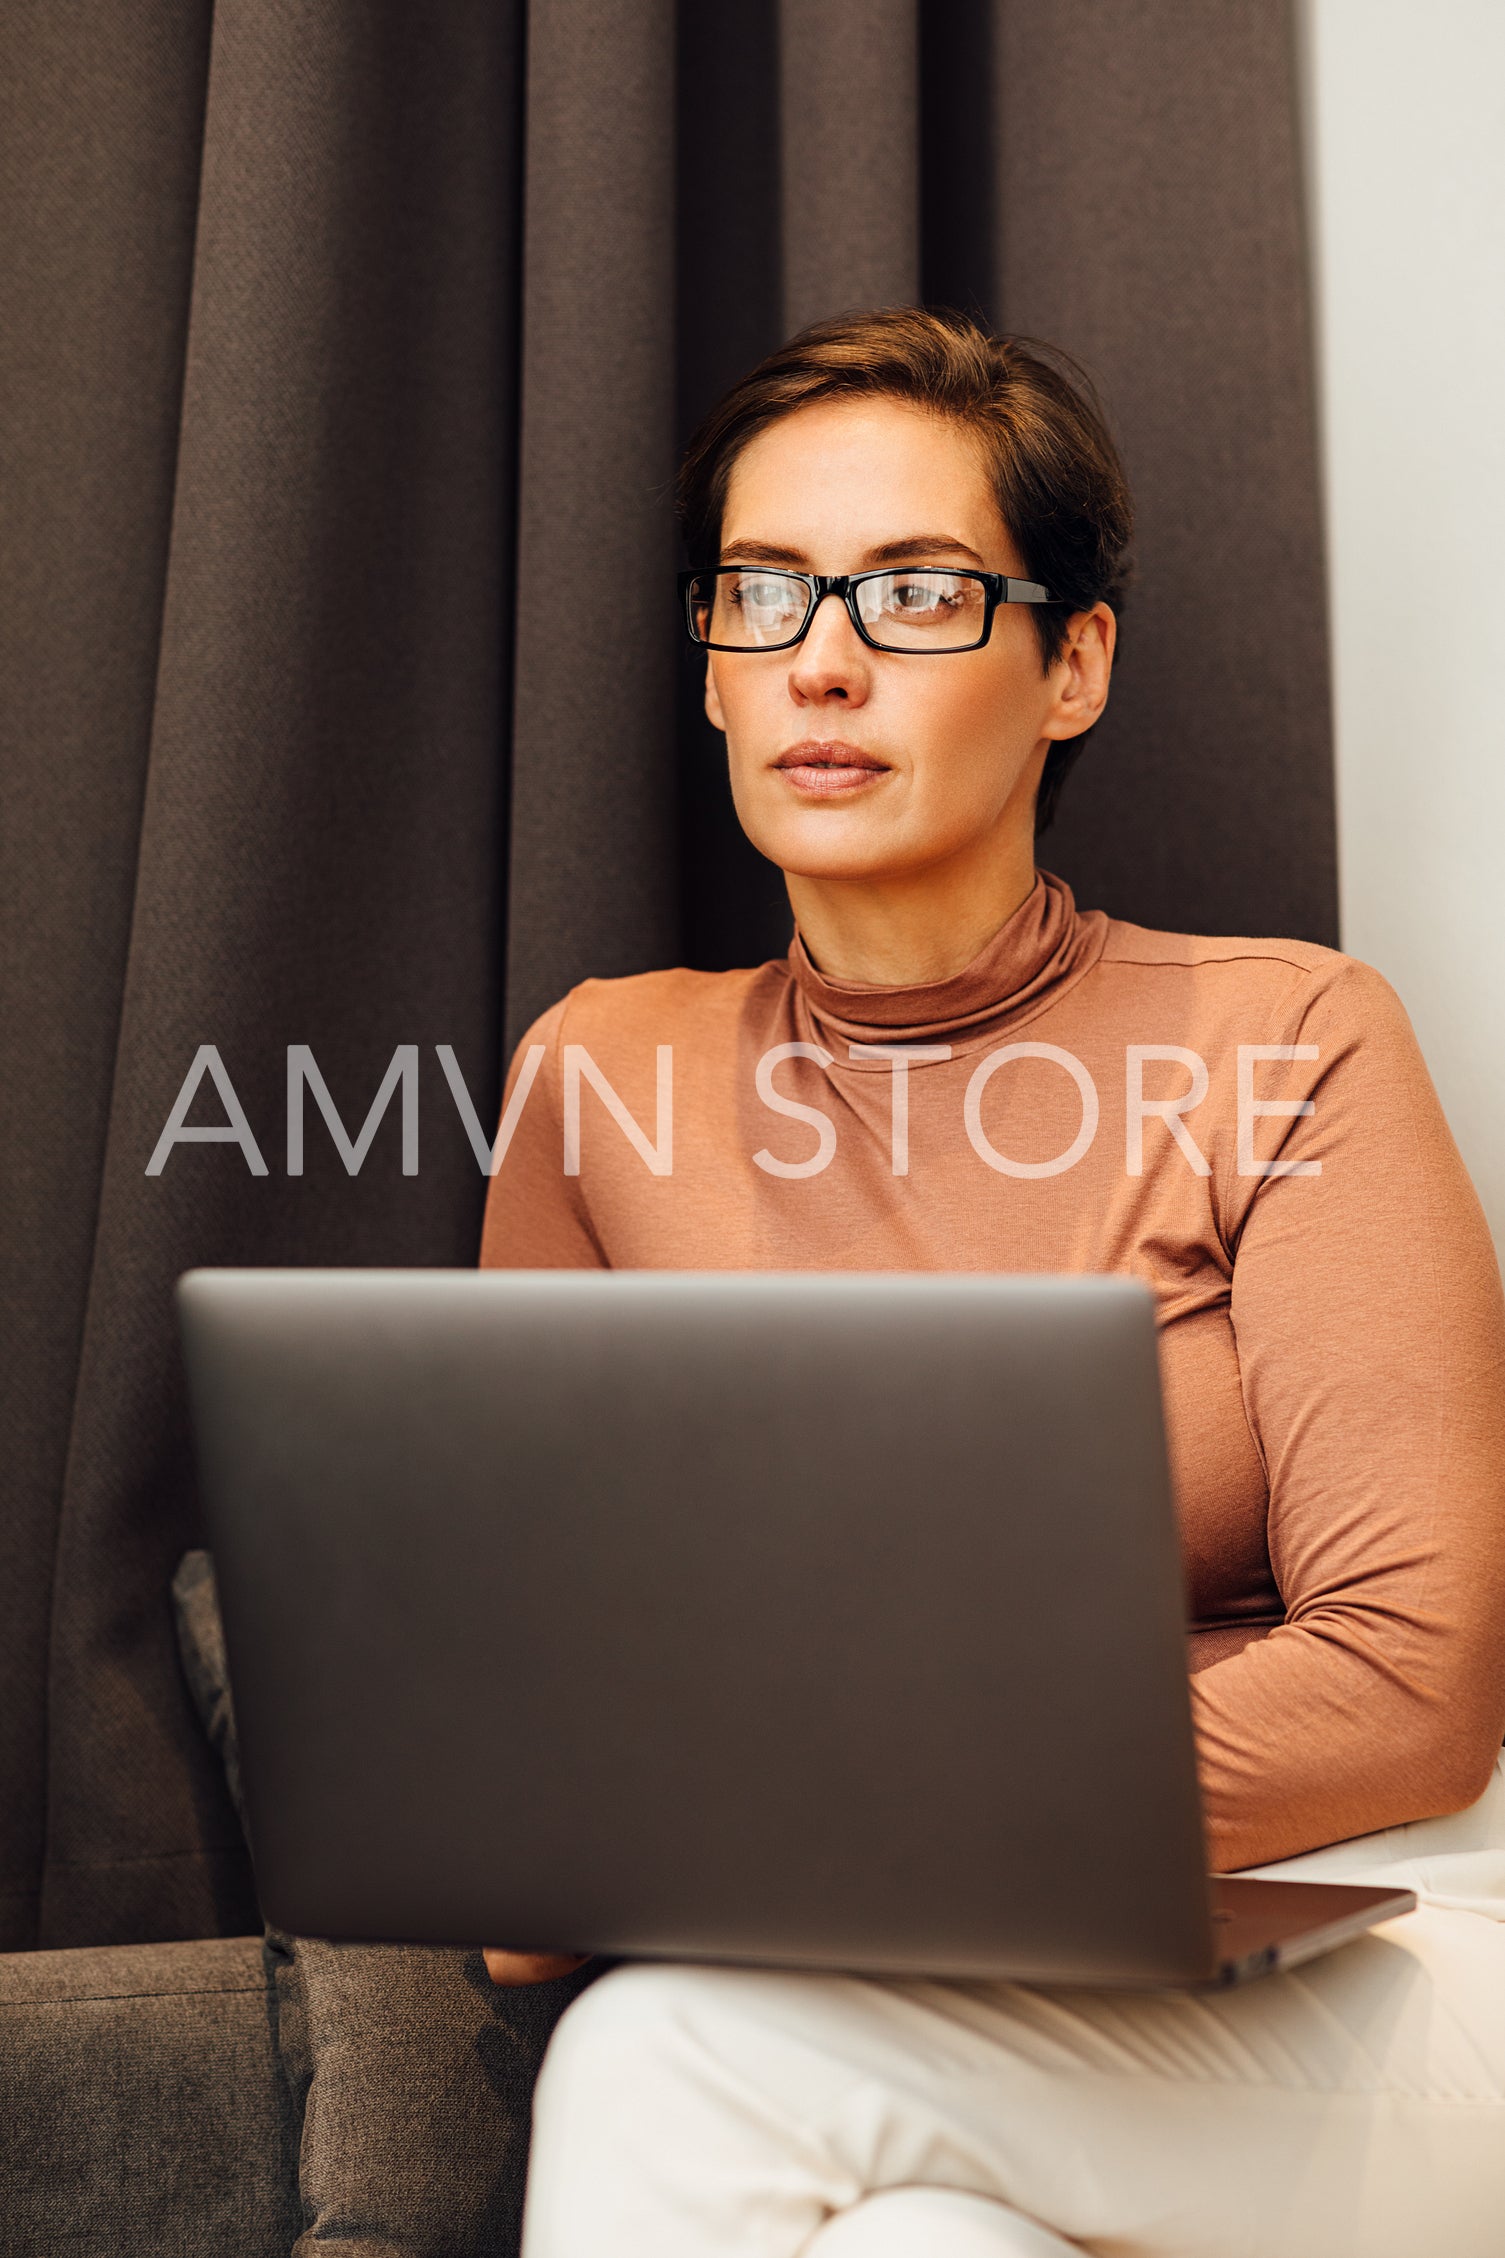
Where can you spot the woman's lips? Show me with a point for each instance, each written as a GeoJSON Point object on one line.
{"type": "Point", "coordinates": [828, 768]}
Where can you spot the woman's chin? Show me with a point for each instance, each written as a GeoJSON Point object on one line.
{"type": "Point", "coordinates": [893, 834]}
{"type": "Point", "coordinates": [834, 851]}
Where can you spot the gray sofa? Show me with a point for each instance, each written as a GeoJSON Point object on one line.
{"type": "Point", "coordinates": [241, 2098]}
{"type": "Point", "coordinates": [141, 2103]}
{"type": "Point", "coordinates": [244, 2097]}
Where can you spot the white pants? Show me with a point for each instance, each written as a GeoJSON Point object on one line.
{"type": "Point", "coordinates": [1353, 2108]}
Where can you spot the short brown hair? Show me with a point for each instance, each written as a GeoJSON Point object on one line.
{"type": "Point", "coordinates": [1056, 474]}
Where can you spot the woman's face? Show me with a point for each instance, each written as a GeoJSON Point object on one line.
{"type": "Point", "coordinates": [850, 763]}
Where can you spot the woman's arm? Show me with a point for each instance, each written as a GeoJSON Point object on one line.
{"type": "Point", "coordinates": [1368, 1314]}
{"type": "Point", "coordinates": [536, 1217]}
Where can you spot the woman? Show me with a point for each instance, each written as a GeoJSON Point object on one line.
{"type": "Point", "coordinates": [956, 1069]}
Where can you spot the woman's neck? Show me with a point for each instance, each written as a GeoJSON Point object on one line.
{"type": "Point", "coordinates": [904, 932]}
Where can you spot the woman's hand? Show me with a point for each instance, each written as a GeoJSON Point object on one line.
{"type": "Point", "coordinates": [505, 1967]}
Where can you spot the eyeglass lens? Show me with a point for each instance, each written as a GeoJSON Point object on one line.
{"type": "Point", "coordinates": [910, 610]}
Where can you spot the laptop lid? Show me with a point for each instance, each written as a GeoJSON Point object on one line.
{"type": "Point", "coordinates": [827, 1620]}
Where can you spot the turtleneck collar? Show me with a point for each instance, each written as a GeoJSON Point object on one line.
{"type": "Point", "coordinates": [1042, 950]}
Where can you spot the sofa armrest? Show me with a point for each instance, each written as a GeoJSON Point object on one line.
{"type": "Point", "coordinates": [142, 2104]}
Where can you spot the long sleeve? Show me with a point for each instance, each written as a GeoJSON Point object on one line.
{"type": "Point", "coordinates": [1335, 1350]}
{"type": "Point", "coordinates": [1367, 1309]}
{"type": "Point", "coordinates": [536, 1217]}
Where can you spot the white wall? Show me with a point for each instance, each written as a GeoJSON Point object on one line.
{"type": "Point", "coordinates": [1405, 112]}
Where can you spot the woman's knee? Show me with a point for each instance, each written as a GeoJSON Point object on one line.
{"type": "Point", "coordinates": [634, 2023]}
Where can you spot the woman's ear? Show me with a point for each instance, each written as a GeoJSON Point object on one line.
{"type": "Point", "coordinates": [713, 712]}
{"type": "Point", "coordinates": [1082, 672]}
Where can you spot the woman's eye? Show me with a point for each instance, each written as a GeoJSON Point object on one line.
{"type": "Point", "coordinates": [760, 595]}
{"type": "Point", "coordinates": [920, 596]}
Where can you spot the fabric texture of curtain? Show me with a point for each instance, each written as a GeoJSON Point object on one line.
{"type": "Point", "coordinates": [344, 354]}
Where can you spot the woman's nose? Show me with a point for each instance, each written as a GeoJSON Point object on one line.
{"type": "Point", "coordinates": [832, 661]}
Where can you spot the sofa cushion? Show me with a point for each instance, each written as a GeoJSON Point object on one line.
{"type": "Point", "coordinates": [411, 2076]}
{"type": "Point", "coordinates": [141, 2104]}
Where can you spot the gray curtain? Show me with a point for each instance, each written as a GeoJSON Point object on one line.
{"type": "Point", "coordinates": [336, 339]}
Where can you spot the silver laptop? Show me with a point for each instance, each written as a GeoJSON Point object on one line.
{"type": "Point", "coordinates": [828, 1621]}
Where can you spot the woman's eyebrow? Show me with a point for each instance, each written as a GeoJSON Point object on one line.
{"type": "Point", "coordinates": [761, 552]}
{"type": "Point", "coordinates": [905, 551]}
{"type": "Point", "coordinates": [921, 545]}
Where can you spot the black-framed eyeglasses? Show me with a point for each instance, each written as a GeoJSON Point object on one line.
{"type": "Point", "coordinates": [906, 608]}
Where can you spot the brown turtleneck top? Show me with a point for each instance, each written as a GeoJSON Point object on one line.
{"type": "Point", "coordinates": [1331, 1325]}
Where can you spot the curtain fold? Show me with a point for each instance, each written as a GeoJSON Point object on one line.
{"type": "Point", "coordinates": [317, 856]}
{"type": "Point", "coordinates": [849, 175]}
{"type": "Point", "coordinates": [101, 122]}
{"type": "Point", "coordinates": [1150, 220]}
{"type": "Point", "coordinates": [591, 880]}
{"type": "Point", "coordinates": [345, 352]}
